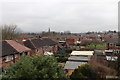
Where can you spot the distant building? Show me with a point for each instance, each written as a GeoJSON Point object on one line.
{"type": "Point", "coordinates": [49, 30]}
{"type": "Point", "coordinates": [41, 45]}
{"type": "Point", "coordinates": [70, 41]}
{"type": "Point", "coordinates": [113, 44]}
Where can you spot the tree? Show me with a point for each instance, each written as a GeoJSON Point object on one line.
{"type": "Point", "coordinates": [10, 32]}
{"type": "Point", "coordinates": [84, 72]}
{"type": "Point", "coordinates": [100, 65]}
{"type": "Point", "coordinates": [85, 42]}
{"type": "Point", "coordinates": [67, 32]}
{"type": "Point", "coordinates": [118, 65]}
{"type": "Point", "coordinates": [35, 67]}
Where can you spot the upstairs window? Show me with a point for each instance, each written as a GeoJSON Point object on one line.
{"type": "Point", "coordinates": [111, 44]}
{"type": "Point", "coordinates": [16, 56]}
{"type": "Point", "coordinates": [37, 50]}
{"type": "Point", "coordinates": [7, 58]}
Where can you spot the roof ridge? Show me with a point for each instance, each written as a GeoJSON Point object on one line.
{"type": "Point", "coordinates": [9, 48]}
{"type": "Point", "coordinates": [32, 43]}
{"type": "Point", "coordinates": [10, 44]}
{"type": "Point", "coordinates": [7, 41]}
{"type": "Point", "coordinates": [14, 45]}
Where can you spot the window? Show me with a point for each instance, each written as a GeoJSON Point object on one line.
{"type": "Point", "coordinates": [26, 53]}
{"type": "Point", "coordinates": [37, 50]}
{"type": "Point", "coordinates": [116, 51]}
{"type": "Point", "coordinates": [117, 44]}
{"type": "Point", "coordinates": [7, 59]}
{"type": "Point", "coordinates": [111, 44]}
{"type": "Point", "coordinates": [4, 59]}
{"type": "Point", "coordinates": [16, 56]}
{"type": "Point", "coordinates": [20, 54]}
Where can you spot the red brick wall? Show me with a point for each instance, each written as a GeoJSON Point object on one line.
{"type": "Point", "coordinates": [113, 46]}
{"type": "Point", "coordinates": [69, 71]}
{"type": "Point", "coordinates": [5, 64]}
{"type": "Point", "coordinates": [70, 41]}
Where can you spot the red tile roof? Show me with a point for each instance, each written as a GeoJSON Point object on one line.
{"type": "Point", "coordinates": [19, 47]}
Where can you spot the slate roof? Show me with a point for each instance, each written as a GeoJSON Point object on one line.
{"type": "Point", "coordinates": [7, 49]}
{"type": "Point", "coordinates": [99, 52]}
{"type": "Point", "coordinates": [112, 40]}
{"type": "Point", "coordinates": [38, 43]}
{"type": "Point", "coordinates": [79, 58]}
{"type": "Point", "coordinates": [12, 47]}
{"type": "Point", "coordinates": [28, 43]}
{"type": "Point", "coordinates": [48, 41]}
{"type": "Point", "coordinates": [73, 65]}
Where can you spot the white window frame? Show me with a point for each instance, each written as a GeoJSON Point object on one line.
{"type": "Point", "coordinates": [15, 55]}
{"type": "Point", "coordinates": [7, 58]}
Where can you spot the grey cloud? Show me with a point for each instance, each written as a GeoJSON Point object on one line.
{"type": "Point", "coordinates": [61, 15]}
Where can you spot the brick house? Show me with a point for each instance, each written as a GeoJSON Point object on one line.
{"type": "Point", "coordinates": [113, 44]}
{"type": "Point", "coordinates": [11, 51]}
{"type": "Point", "coordinates": [70, 41]}
{"type": "Point", "coordinates": [41, 45]}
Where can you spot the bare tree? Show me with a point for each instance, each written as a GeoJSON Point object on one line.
{"type": "Point", "coordinates": [101, 66]}
{"type": "Point", "coordinates": [10, 32]}
{"type": "Point", "coordinates": [118, 65]}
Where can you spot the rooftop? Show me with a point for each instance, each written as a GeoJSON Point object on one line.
{"type": "Point", "coordinates": [79, 53]}
{"type": "Point", "coordinates": [38, 43]}
{"type": "Point", "coordinates": [79, 58]}
{"type": "Point", "coordinates": [73, 65]}
{"type": "Point", "coordinates": [12, 47]}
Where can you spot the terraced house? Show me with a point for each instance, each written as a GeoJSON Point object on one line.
{"type": "Point", "coordinates": [11, 52]}
{"type": "Point", "coordinates": [41, 45]}
{"type": "Point", "coordinates": [113, 46]}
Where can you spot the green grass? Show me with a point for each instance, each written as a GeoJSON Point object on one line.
{"type": "Point", "coordinates": [97, 46]}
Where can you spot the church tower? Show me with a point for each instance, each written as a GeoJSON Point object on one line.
{"type": "Point", "coordinates": [49, 30]}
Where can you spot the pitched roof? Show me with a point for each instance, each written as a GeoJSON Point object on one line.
{"type": "Point", "coordinates": [28, 43]}
{"type": "Point", "coordinates": [48, 41]}
{"type": "Point", "coordinates": [38, 43]}
{"type": "Point", "coordinates": [7, 49]}
{"type": "Point", "coordinates": [17, 46]}
{"type": "Point", "coordinates": [112, 40]}
{"type": "Point", "coordinates": [79, 58]}
{"type": "Point", "coordinates": [12, 47]}
{"type": "Point", "coordinates": [73, 65]}
{"type": "Point", "coordinates": [99, 52]}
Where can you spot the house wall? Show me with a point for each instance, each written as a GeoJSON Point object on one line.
{"type": "Point", "coordinates": [70, 41]}
{"type": "Point", "coordinates": [40, 51]}
{"type": "Point", "coordinates": [4, 63]}
{"type": "Point", "coordinates": [112, 46]}
{"type": "Point", "coordinates": [109, 54]}
{"type": "Point", "coordinates": [69, 71]}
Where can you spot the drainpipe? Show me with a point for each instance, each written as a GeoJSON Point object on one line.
{"type": "Point", "coordinates": [13, 58]}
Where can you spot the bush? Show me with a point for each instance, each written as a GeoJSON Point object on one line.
{"type": "Point", "coordinates": [62, 59]}
{"type": "Point", "coordinates": [84, 72]}
{"type": "Point", "coordinates": [35, 67]}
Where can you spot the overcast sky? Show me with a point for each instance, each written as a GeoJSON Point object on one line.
{"type": "Point", "coordinates": [61, 15]}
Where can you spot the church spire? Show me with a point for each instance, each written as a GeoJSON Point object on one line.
{"type": "Point", "coordinates": [49, 30]}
